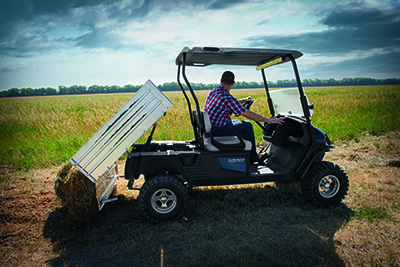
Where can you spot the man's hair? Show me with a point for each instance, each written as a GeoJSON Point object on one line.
{"type": "Point", "coordinates": [228, 77]}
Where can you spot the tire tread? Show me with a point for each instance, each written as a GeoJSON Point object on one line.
{"type": "Point", "coordinates": [313, 175]}
{"type": "Point", "coordinates": [161, 179]}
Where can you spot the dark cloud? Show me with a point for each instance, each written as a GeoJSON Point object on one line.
{"type": "Point", "coordinates": [24, 24]}
{"type": "Point", "coordinates": [373, 34]}
{"type": "Point", "coordinates": [347, 30]}
{"type": "Point", "coordinates": [264, 22]}
{"type": "Point", "coordinates": [29, 27]}
{"type": "Point", "coordinates": [99, 38]}
{"type": "Point", "coordinates": [359, 13]}
{"type": "Point", "coordinates": [348, 18]}
{"type": "Point", "coordinates": [336, 40]}
{"type": "Point", "coordinates": [13, 12]}
{"type": "Point", "coordinates": [222, 4]}
{"type": "Point", "coordinates": [382, 66]}
{"type": "Point", "coordinates": [16, 16]}
{"type": "Point", "coordinates": [374, 66]}
{"type": "Point", "coordinates": [10, 13]}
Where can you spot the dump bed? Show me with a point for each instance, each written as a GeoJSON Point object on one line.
{"type": "Point", "coordinates": [97, 158]}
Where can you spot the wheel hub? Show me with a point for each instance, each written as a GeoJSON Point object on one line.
{"type": "Point", "coordinates": [329, 186]}
{"type": "Point", "coordinates": [163, 201]}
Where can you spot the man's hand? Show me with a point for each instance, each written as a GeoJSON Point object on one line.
{"type": "Point", "coordinates": [257, 117]}
{"type": "Point", "coordinates": [244, 100]}
{"type": "Point", "coordinates": [279, 121]}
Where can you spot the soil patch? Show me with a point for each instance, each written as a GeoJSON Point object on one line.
{"type": "Point", "coordinates": [366, 228]}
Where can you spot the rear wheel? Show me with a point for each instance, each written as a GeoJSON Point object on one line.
{"type": "Point", "coordinates": [163, 197]}
{"type": "Point", "coordinates": [325, 184]}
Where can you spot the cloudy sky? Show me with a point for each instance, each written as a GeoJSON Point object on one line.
{"type": "Point", "coordinates": [47, 43]}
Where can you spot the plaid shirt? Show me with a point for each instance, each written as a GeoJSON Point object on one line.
{"type": "Point", "coordinates": [220, 105]}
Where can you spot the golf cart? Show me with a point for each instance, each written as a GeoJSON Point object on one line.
{"type": "Point", "coordinates": [295, 149]}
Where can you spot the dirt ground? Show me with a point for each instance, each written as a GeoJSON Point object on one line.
{"type": "Point", "coordinates": [27, 199]}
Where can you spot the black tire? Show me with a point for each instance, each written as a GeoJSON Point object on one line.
{"type": "Point", "coordinates": [163, 197]}
{"type": "Point", "coordinates": [325, 184]}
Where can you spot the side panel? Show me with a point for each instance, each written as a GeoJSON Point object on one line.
{"type": "Point", "coordinates": [196, 168]}
{"type": "Point", "coordinates": [126, 126]}
{"type": "Point", "coordinates": [223, 168]}
{"type": "Point", "coordinates": [105, 185]}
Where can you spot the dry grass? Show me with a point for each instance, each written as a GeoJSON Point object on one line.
{"type": "Point", "coordinates": [248, 225]}
{"type": "Point", "coordinates": [77, 194]}
{"type": "Point", "coordinates": [372, 236]}
{"type": "Point", "coordinates": [253, 225]}
{"type": "Point", "coordinates": [38, 132]}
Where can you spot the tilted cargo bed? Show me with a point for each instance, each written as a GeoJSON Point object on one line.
{"type": "Point", "coordinates": [97, 158]}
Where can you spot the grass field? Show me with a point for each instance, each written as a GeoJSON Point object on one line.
{"type": "Point", "coordinates": [249, 225]}
{"type": "Point", "coordinates": [39, 132]}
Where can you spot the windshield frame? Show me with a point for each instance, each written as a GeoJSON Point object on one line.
{"type": "Point", "coordinates": [286, 102]}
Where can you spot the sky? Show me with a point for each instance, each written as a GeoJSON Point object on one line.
{"type": "Point", "coordinates": [47, 43]}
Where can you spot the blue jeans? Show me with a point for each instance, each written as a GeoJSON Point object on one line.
{"type": "Point", "coordinates": [245, 130]}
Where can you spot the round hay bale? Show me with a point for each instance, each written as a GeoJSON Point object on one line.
{"type": "Point", "coordinates": [78, 194]}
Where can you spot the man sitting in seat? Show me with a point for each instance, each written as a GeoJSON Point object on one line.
{"type": "Point", "coordinates": [220, 105]}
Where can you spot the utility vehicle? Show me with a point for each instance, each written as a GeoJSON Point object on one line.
{"type": "Point", "coordinates": [294, 153]}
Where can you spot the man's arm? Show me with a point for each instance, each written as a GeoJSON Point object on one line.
{"type": "Point", "coordinates": [244, 100]}
{"type": "Point", "coordinates": [256, 117]}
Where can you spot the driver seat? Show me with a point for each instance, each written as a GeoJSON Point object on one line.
{"type": "Point", "coordinates": [233, 142]}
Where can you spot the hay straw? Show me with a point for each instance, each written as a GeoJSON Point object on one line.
{"type": "Point", "coordinates": [77, 193]}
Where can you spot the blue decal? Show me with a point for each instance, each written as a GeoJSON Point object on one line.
{"type": "Point", "coordinates": [234, 164]}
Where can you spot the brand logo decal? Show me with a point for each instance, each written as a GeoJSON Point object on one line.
{"type": "Point", "coordinates": [236, 160]}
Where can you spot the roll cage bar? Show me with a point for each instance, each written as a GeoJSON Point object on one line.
{"type": "Point", "coordinates": [258, 57]}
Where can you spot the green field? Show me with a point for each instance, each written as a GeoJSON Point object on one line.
{"type": "Point", "coordinates": [268, 224]}
{"type": "Point", "coordinates": [38, 132]}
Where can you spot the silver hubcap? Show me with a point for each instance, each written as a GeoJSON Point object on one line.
{"type": "Point", "coordinates": [329, 186]}
{"type": "Point", "coordinates": [163, 201]}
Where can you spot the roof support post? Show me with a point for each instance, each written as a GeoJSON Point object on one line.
{"type": "Point", "coordinates": [188, 102]}
{"type": "Point", "coordinates": [188, 83]}
{"type": "Point", "coordinates": [303, 98]}
{"type": "Point", "coordinates": [270, 104]}
{"type": "Point", "coordinates": [196, 121]}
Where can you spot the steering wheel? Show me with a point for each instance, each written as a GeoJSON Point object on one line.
{"type": "Point", "coordinates": [248, 104]}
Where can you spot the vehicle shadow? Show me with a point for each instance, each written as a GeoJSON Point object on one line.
{"type": "Point", "coordinates": [259, 225]}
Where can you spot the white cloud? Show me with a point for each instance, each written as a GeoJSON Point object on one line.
{"type": "Point", "coordinates": [130, 41]}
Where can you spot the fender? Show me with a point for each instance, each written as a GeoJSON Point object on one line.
{"type": "Point", "coordinates": [317, 156]}
{"type": "Point", "coordinates": [149, 164]}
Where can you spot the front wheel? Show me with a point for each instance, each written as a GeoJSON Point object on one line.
{"type": "Point", "coordinates": [163, 197]}
{"type": "Point", "coordinates": [325, 184]}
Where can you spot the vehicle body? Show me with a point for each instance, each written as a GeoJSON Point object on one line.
{"type": "Point", "coordinates": [295, 152]}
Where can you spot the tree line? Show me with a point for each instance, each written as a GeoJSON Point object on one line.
{"type": "Point", "coordinates": [173, 86]}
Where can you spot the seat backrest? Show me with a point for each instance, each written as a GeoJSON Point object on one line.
{"type": "Point", "coordinates": [220, 143]}
{"type": "Point", "coordinates": [207, 122]}
{"type": "Point", "coordinates": [204, 125]}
